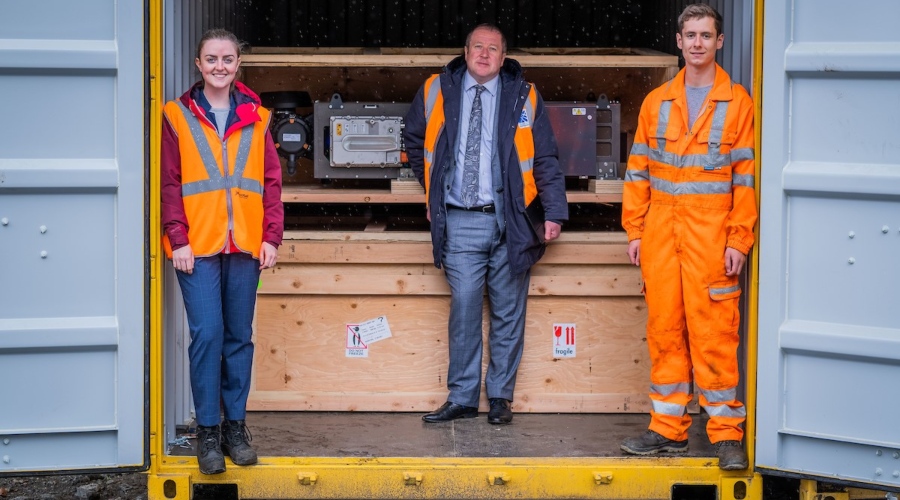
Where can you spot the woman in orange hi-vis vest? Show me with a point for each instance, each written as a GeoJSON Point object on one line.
{"type": "Point", "coordinates": [689, 208]}
{"type": "Point", "coordinates": [223, 221]}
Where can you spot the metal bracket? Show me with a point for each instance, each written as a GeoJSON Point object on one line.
{"type": "Point", "coordinates": [308, 478]}
{"type": "Point", "coordinates": [412, 478]}
{"type": "Point", "coordinates": [336, 102]}
{"type": "Point", "coordinates": [603, 477]}
{"type": "Point", "coordinates": [498, 478]}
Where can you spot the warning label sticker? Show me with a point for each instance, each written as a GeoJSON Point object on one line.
{"type": "Point", "coordinates": [563, 340]}
{"type": "Point", "coordinates": [356, 348]}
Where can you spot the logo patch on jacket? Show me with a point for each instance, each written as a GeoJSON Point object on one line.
{"type": "Point", "coordinates": [523, 120]}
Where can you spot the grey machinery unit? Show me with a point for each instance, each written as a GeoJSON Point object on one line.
{"type": "Point", "coordinates": [354, 140]}
{"type": "Point", "coordinates": [358, 140]}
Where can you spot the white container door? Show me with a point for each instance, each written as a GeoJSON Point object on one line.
{"type": "Point", "coordinates": [73, 259]}
{"type": "Point", "coordinates": [829, 281]}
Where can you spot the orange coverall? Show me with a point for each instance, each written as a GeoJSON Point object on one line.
{"type": "Point", "coordinates": [689, 194]}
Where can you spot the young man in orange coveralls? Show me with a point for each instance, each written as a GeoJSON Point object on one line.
{"type": "Point", "coordinates": [689, 209]}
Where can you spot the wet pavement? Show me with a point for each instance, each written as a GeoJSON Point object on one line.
{"type": "Point", "coordinates": [359, 434]}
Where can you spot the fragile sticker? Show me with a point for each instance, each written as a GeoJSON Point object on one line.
{"type": "Point", "coordinates": [563, 340]}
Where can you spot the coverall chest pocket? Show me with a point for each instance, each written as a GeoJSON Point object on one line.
{"type": "Point", "coordinates": [716, 163]}
{"type": "Point", "coordinates": [662, 141]}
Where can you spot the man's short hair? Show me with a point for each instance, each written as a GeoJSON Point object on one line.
{"type": "Point", "coordinates": [489, 27]}
{"type": "Point", "coordinates": [699, 11]}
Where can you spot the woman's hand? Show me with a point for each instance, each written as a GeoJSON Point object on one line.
{"type": "Point", "coordinates": [183, 259]}
{"type": "Point", "coordinates": [268, 255]}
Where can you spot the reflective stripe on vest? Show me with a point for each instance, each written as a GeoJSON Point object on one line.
{"type": "Point", "coordinates": [434, 100]}
{"type": "Point", "coordinates": [216, 180]}
{"type": "Point", "coordinates": [524, 140]}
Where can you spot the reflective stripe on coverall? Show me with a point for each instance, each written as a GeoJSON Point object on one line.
{"type": "Point", "coordinates": [689, 194]}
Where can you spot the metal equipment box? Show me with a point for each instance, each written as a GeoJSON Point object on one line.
{"type": "Point", "coordinates": [587, 135]}
{"type": "Point", "coordinates": [357, 140]}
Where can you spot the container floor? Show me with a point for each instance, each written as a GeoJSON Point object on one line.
{"type": "Point", "coordinates": [357, 434]}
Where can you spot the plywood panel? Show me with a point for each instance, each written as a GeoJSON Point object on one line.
{"type": "Point", "coordinates": [301, 363]}
{"type": "Point", "coordinates": [415, 247]}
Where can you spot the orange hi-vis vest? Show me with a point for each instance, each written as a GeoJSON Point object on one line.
{"type": "Point", "coordinates": [524, 140]}
{"type": "Point", "coordinates": [221, 182]}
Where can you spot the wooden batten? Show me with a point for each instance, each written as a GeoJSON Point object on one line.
{"type": "Point", "coordinates": [605, 186]}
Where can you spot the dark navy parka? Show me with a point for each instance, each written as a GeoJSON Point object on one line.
{"type": "Point", "coordinates": [523, 246]}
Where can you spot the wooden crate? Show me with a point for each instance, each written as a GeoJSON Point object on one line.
{"type": "Point", "coordinates": [327, 280]}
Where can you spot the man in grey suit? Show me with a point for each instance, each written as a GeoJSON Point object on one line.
{"type": "Point", "coordinates": [478, 140]}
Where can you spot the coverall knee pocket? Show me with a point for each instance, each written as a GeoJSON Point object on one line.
{"type": "Point", "coordinates": [723, 296]}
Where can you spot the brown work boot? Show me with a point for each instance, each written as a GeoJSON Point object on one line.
{"type": "Point", "coordinates": [236, 442]}
{"type": "Point", "coordinates": [651, 442]}
{"type": "Point", "coordinates": [731, 455]}
{"type": "Point", "coordinates": [209, 455]}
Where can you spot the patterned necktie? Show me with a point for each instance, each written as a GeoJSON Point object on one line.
{"type": "Point", "coordinates": [472, 163]}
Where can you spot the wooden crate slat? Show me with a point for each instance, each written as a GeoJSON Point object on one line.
{"type": "Point", "coordinates": [559, 252]}
{"type": "Point", "coordinates": [293, 251]}
{"type": "Point", "coordinates": [424, 279]}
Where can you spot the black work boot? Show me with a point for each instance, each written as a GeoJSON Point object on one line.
{"type": "Point", "coordinates": [236, 442]}
{"type": "Point", "coordinates": [209, 453]}
{"type": "Point", "coordinates": [651, 442]}
{"type": "Point", "coordinates": [731, 455]}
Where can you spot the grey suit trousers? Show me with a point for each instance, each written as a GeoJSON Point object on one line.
{"type": "Point", "coordinates": [474, 255]}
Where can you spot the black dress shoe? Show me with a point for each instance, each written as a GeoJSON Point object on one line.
{"type": "Point", "coordinates": [500, 412]}
{"type": "Point", "coordinates": [450, 411]}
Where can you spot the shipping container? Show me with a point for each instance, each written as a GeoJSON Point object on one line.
{"type": "Point", "coordinates": [93, 339]}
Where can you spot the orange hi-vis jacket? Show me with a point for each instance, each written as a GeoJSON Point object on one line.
{"type": "Point", "coordinates": [524, 140]}
{"type": "Point", "coordinates": [222, 181]}
{"type": "Point", "coordinates": [688, 195]}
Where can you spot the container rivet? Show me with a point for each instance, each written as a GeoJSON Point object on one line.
{"type": "Point", "coordinates": [896, 473]}
{"type": "Point", "coordinates": [877, 453]}
{"type": "Point", "coordinates": [885, 229]}
{"type": "Point", "coordinates": [851, 260]}
{"type": "Point", "coordinates": [897, 454]}
{"type": "Point", "coordinates": [6, 459]}
{"type": "Point", "coordinates": [43, 229]}
{"type": "Point", "coordinates": [5, 440]}
{"type": "Point", "coordinates": [852, 234]}
{"type": "Point", "coordinates": [43, 254]}
{"type": "Point", "coordinates": [878, 471]}
{"type": "Point", "coordinates": [4, 221]}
